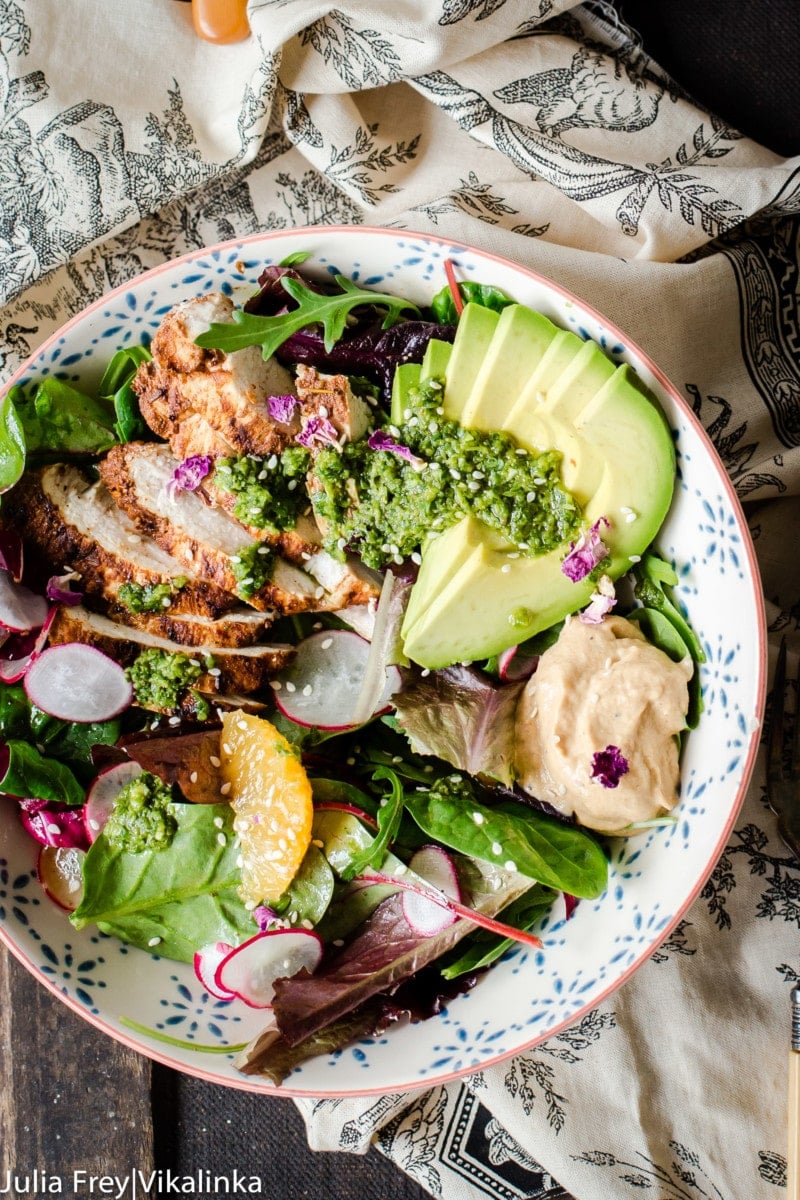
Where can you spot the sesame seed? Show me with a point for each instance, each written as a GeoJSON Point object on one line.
{"type": "Point", "coordinates": [226, 748]}
{"type": "Point", "coordinates": [510, 866]}
{"type": "Point", "coordinates": [215, 762]}
{"type": "Point", "coordinates": [497, 848]}
{"type": "Point", "coordinates": [154, 941]}
{"type": "Point", "coordinates": [166, 602]}
{"type": "Point", "coordinates": [221, 839]}
{"type": "Point", "coordinates": [307, 690]}
{"type": "Point", "coordinates": [214, 672]}
{"type": "Point", "coordinates": [634, 558]}
{"type": "Point", "coordinates": [416, 558]}
{"type": "Point", "coordinates": [478, 818]}
{"type": "Point", "coordinates": [241, 725]}
{"type": "Point", "coordinates": [326, 645]}
{"type": "Point", "coordinates": [323, 412]}
{"type": "Point", "coordinates": [272, 462]}
{"type": "Point", "coordinates": [226, 787]}
{"type": "Point", "coordinates": [236, 558]}
{"type": "Point", "coordinates": [290, 687]}
{"type": "Point", "coordinates": [275, 684]}
{"type": "Point", "coordinates": [530, 497]}
{"type": "Point", "coordinates": [630, 518]}
{"type": "Point", "coordinates": [506, 567]}
{"type": "Point", "coordinates": [319, 593]}
{"type": "Point", "coordinates": [93, 824]}
{"type": "Point", "coordinates": [218, 822]}
{"type": "Point", "coordinates": [53, 828]}
{"type": "Point", "coordinates": [291, 485]}
{"type": "Point", "coordinates": [193, 777]}
{"type": "Point", "coordinates": [174, 721]}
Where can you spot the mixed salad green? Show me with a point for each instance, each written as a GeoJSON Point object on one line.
{"type": "Point", "coordinates": [424, 862]}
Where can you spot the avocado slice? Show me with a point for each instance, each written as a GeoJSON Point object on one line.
{"type": "Point", "coordinates": [435, 360]}
{"type": "Point", "coordinates": [406, 377]}
{"type": "Point", "coordinates": [520, 339]}
{"type": "Point", "coordinates": [493, 601]}
{"type": "Point", "coordinates": [476, 326]}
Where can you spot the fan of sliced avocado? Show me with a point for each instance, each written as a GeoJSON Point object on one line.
{"type": "Point", "coordinates": [518, 372]}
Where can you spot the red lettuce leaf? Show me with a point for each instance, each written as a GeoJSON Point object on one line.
{"type": "Point", "coordinates": [463, 717]}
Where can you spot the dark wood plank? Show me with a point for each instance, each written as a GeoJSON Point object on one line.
{"type": "Point", "coordinates": [71, 1098]}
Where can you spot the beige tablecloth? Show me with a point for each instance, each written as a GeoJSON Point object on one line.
{"type": "Point", "coordinates": [539, 131]}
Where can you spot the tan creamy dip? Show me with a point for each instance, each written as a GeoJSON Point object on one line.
{"type": "Point", "coordinates": [603, 686]}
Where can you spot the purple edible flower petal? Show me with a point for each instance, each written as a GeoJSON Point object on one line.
{"type": "Point", "coordinates": [58, 589]}
{"type": "Point", "coordinates": [264, 916]}
{"type": "Point", "coordinates": [608, 766]}
{"type": "Point", "coordinates": [601, 603]}
{"type": "Point", "coordinates": [189, 474]}
{"type": "Point", "coordinates": [586, 553]}
{"type": "Point", "coordinates": [383, 441]}
{"type": "Point", "coordinates": [282, 408]}
{"type": "Point", "coordinates": [319, 430]}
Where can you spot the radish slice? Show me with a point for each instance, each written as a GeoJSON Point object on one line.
{"type": "Point", "coordinates": [434, 865]}
{"type": "Point", "coordinates": [513, 665]}
{"type": "Point", "coordinates": [206, 962]}
{"type": "Point", "coordinates": [20, 608]}
{"type": "Point", "coordinates": [373, 680]}
{"type": "Point", "coordinates": [322, 686]}
{"type": "Point", "coordinates": [18, 650]}
{"type": "Point", "coordinates": [102, 795]}
{"type": "Point", "coordinates": [60, 872]}
{"type": "Point", "coordinates": [344, 807]}
{"type": "Point", "coordinates": [461, 910]}
{"type": "Point", "coordinates": [77, 683]}
{"type": "Point", "coordinates": [250, 971]}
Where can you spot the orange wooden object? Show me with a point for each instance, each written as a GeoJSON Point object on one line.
{"type": "Point", "coordinates": [221, 21]}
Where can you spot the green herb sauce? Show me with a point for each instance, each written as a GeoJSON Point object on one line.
{"type": "Point", "coordinates": [160, 678]}
{"type": "Point", "coordinates": [270, 492]}
{"type": "Point", "coordinates": [383, 506]}
{"type": "Point", "coordinates": [149, 597]}
{"type": "Point", "coordinates": [252, 569]}
{"type": "Point", "coordinates": [142, 817]}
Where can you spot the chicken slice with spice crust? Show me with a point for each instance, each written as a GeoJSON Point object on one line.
{"type": "Point", "coordinates": [205, 539]}
{"type": "Point", "coordinates": [229, 392]}
{"type": "Point", "coordinates": [75, 524]}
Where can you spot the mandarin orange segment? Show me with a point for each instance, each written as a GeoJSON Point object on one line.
{"type": "Point", "coordinates": [271, 797]}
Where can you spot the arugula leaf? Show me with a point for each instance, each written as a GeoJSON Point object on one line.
{"type": "Point", "coordinates": [559, 856]}
{"type": "Point", "coordinates": [296, 259]}
{"type": "Point", "coordinates": [312, 308]}
{"type": "Point", "coordinates": [390, 814]}
{"type": "Point", "coordinates": [12, 442]}
{"type": "Point", "coordinates": [444, 309]}
{"type": "Point", "coordinates": [27, 774]}
{"type": "Point", "coordinates": [185, 896]}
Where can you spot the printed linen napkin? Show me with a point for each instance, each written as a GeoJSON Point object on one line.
{"type": "Point", "coordinates": [539, 131]}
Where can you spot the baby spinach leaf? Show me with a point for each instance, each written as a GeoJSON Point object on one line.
{"type": "Point", "coordinates": [312, 308]}
{"type": "Point", "coordinates": [170, 902]}
{"type": "Point", "coordinates": [482, 948]}
{"type": "Point", "coordinates": [556, 855]}
{"type": "Point", "coordinates": [115, 386]}
{"type": "Point", "coordinates": [27, 774]}
{"type": "Point", "coordinates": [311, 890]}
{"type": "Point", "coordinates": [443, 305]}
{"type": "Point", "coordinates": [12, 441]}
{"type": "Point", "coordinates": [57, 417]}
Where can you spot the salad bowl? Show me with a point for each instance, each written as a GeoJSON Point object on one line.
{"type": "Point", "coordinates": [159, 1007]}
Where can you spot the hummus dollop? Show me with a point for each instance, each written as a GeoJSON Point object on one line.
{"type": "Point", "coordinates": [603, 688]}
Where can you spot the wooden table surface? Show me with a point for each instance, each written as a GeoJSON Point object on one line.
{"type": "Point", "coordinates": [72, 1098]}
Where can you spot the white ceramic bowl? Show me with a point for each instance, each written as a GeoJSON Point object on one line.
{"type": "Point", "coordinates": [654, 878]}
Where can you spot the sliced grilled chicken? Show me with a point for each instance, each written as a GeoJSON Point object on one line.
{"type": "Point", "coordinates": [75, 523]}
{"type": "Point", "coordinates": [207, 540]}
{"type": "Point", "coordinates": [240, 670]}
{"type": "Point", "coordinates": [239, 627]}
{"type": "Point", "coordinates": [332, 398]}
{"type": "Point", "coordinates": [229, 391]}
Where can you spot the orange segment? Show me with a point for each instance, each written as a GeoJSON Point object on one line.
{"type": "Point", "coordinates": [271, 798]}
